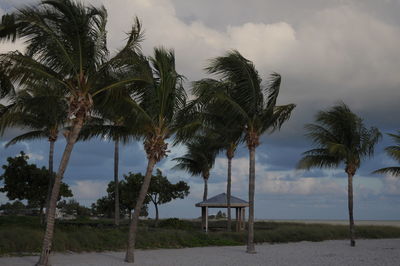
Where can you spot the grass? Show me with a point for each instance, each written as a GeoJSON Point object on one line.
{"type": "Point", "coordinates": [23, 235]}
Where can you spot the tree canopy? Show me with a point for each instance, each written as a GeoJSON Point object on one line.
{"type": "Point", "coordinates": [394, 152]}
{"type": "Point", "coordinates": [26, 181]}
{"type": "Point", "coordinates": [161, 191]}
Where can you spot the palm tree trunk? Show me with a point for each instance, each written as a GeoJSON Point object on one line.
{"type": "Point", "coordinates": [203, 209]}
{"type": "Point", "coordinates": [134, 222]}
{"type": "Point", "coordinates": [51, 181]}
{"type": "Point", "coordinates": [205, 189]}
{"type": "Point", "coordinates": [228, 193]}
{"type": "Point", "coordinates": [252, 177]}
{"type": "Point", "coordinates": [156, 207]}
{"type": "Point", "coordinates": [350, 201]}
{"type": "Point", "coordinates": [50, 220]}
{"type": "Point", "coordinates": [116, 182]}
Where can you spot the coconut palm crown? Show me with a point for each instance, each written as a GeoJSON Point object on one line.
{"type": "Point", "coordinates": [394, 152]}
{"type": "Point", "coordinates": [340, 137]}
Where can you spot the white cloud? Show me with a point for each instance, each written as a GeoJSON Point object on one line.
{"type": "Point", "coordinates": [89, 190]}
{"type": "Point", "coordinates": [276, 182]}
{"type": "Point", "coordinates": [35, 157]}
{"type": "Point", "coordinates": [391, 185]}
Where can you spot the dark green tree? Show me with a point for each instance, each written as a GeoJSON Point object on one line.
{"type": "Point", "coordinates": [340, 137]}
{"type": "Point", "coordinates": [161, 191]}
{"type": "Point", "coordinates": [104, 207]}
{"type": "Point", "coordinates": [394, 152]}
{"type": "Point", "coordinates": [72, 207]}
{"type": "Point", "coordinates": [17, 207]}
{"type": "Point", "coordinates": [129, 190]}
{"type": "Point", "coordinates": [26, 181]}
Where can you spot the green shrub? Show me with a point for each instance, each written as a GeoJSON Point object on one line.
{"type": "Point", "coordinates": [20, 235]}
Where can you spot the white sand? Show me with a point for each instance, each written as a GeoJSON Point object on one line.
{"type": "Point", "coordinates": [337, 252]}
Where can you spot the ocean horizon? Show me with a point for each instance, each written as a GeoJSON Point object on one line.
{"type": "Point", "coordinates": [337, 222]}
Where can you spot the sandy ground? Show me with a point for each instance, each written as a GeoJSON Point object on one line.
{"type": "Point", "coordinates": [367, 252]}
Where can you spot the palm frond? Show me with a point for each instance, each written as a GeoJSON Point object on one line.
{"type": "Point", "coordinates": [395, 171]}
{"type": "Point", "coordinates": [32, 135]}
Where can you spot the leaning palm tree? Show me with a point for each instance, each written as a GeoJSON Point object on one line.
{"type": "Point", "coordinates": [66, 45]}
{"type": "Point", "coordinates": [394, 152]}
{"type": "Point", "coordinates": [340, 137]}
{"type": "Point", "coordinates": [199, 159]}
{"type": "Point", "coordinates": [252, 106]}
{"type": "Point", "coordinates": [157, 107]}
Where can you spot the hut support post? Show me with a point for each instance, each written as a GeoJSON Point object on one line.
{"type": "Point", "coordinates": [237, 219]}
{"type": "Point", "coordinates": [242, 224]}
{"type": "Point", "coordinates": [206, 219]}
{"type": "Point", "coordinates": [203, 218]}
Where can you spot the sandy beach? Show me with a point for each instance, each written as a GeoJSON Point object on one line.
{"type": "Point", "coordinates": [335, 252]}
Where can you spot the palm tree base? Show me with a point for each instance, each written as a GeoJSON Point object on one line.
{"type": "Point", "coordinates": [251, 251]}
{"type": "Point", "coordinates": [129, 259]}
{"type": "Point", "coordinates": [40, 264]}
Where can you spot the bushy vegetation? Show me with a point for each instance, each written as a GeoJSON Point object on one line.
{"type": "Point", "coordinates": [23, 235]}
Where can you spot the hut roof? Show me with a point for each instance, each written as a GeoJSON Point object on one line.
{"type": "Point", "coordinates": [220, 201]}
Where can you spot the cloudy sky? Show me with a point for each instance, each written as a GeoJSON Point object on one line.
{"type": "Point", "coordinates": [326, 51]}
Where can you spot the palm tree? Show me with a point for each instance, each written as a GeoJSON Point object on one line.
{"type": "Point", "coordinates": [222, 126]}
{"type": "Point", "coordinates": [252, 106]}
{"type": "Point", "coordinates": [66, 45]}
{"type": "Point", "coordinates": [394, 152]}
{"type": "Point", "coordinates": [115, 125]}
{"type": "Point", "coordinates": [199, 159]}
{"type": "Point", "coordinates": [340, 137]}
{"type": "Point", "coordinates": [157, 110]}
{"type": "Point", "coordinates": [42, 120]}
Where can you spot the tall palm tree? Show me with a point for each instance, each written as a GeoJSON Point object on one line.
{"type": "Point", "coordinates": [222, 126]}
{"type": "Point", "coordinates": [394, 152]}
{"type": "Point", "coordinates": [157, 110]}
{"type": "Point", "coordinates": [42, 121]}
{"type": "Point", "coordinates": [199, 160]}
{"type": "Point", "coordinates": [252, 106]}
{"type": "Point", "coordinates": [340, 137]}
{"type": "Point", "coordinates": [113, 124]}
{"type": "Point", "coordinates": [66, 45]}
